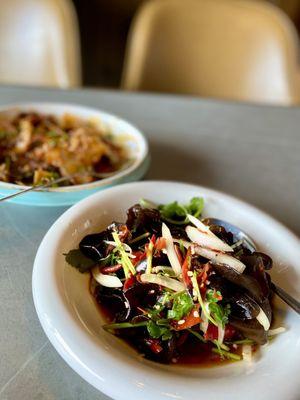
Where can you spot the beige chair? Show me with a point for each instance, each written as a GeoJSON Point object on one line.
{"type": "Point", "coordinates": [39, 43]}
{"type": "Point", "coordinates": [234, 49]}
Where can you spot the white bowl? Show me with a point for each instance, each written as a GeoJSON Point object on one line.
{"type": "Point", "coordinates": [72, 321]}
{"type": "Point", "coordinates": [133, 140]}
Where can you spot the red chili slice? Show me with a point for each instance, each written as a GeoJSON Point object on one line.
{"type": "Point", "coordinates": [160, 244]}
{"type": "Point", "coordinates": [139, 255]}
{"type": "Point", "coordinates": [153, 239]}
{"type": "Point", "coordinates": [212, 332]}
{"type": "Point", "coordinates": [154, 345]}
{"type": "Point", "coordinates": [189, 320]}
{"type": "Point", "coordinates": [203, 275]}
{"type": "Point", "coordinates": [178, 253]}
{"type": "Point", "coordinates": [111, 268]}
{"type": "Point", "coordinates": [130, 281]}
{"type": "Point", "coordinates": [230, 332]}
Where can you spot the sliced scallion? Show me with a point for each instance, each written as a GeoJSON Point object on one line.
{"type": "Point", "coordinates": [197, 335]}
{"type": "Point", "coordinates": [227, 354]}
{"type": "Point", "coordinates": [124, 325]}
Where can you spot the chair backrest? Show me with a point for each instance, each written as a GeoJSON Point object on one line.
{"type": "Point", "coordinates": [235, 49]}
{"type": "Point", "coordinates": [39, 43]}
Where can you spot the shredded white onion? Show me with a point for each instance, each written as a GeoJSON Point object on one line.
{"type": "Point", "coordinates": [263, 319]}
{"type": "Point", "coordinates": [206, 240]}
{"type": "Point", "coordinates": [217, 257]}
{"type": "Point", "coordinates": [276, 331]}
{"type": "Point", "coordinates": [204, 320]}
{"type": "Point", "coordinates": [206, 230]}
{"type": "Point", "coordinates": [221, 334]}
{"type": "Point", "coordinates": [247, 352]}
{"type": "Point", "coordinates": [199, 224]}
{"type": "Point", "coordinates": [172, 256]}
{"type": "Point", "coordinates": [165, 281]}
{"type": "Point", "coordinates": [106, 280]}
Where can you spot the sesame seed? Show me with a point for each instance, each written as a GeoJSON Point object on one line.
{"type": "Point", "coordinates": [202, 285]}
{"type": "Point", "coordinates": [152, 291]}
{"type": "Point", "coordinates": [190, 273]}
{"type": "Point", "coordinates": [181, 322]}
{"type": "Point", "coordinates": [235, 346]}
{"type": "Point", "coordinates": [196, 314]}
{"type": "Point", "coordinates": [207, 282]}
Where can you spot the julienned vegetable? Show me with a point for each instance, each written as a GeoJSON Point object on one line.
{"type": "Point", "coordinates": [177, 290]}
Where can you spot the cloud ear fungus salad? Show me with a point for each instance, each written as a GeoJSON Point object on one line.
{"type": "Point", "coordinates": [176, 289]}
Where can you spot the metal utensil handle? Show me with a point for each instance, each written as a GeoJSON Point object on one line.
{"type": "Point", "coordinates": [32, 188]}
{"type": "Point", "coordinates": [58, 180]}
{"type": "Point", "coordinates": [293, 303]}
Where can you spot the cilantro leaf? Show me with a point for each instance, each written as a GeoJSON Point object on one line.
{"type": "Point", "coordinates": [176, 213]}
{"type": "Point", "coordinates": [213, 296]}
{"type": "Point", "coordinates": [219, 312]}
{"type": "Point", "coordinates": [157, 331]}
{"type": "Point", "coordinates": [153, 329]}
{"type": "Point", "coordinates": [182, 305]}
{"type": "Point", "coordinates": [78, 260]}
{"type": "Point", "coordinates": [196, 206]}
{"type": "Point", "coordinates": [173, 211]}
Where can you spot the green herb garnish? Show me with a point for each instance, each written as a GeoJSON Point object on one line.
{"type": "Point", "coordinates": [140, 237]}
{"type": "Point", "coordinates": [243, 341]}
{"type": "Point", "coordinates": [176, 213]}
{"type": "Point", "coordinates": [219, 313]}
{"type": "Point", "coordinates": [124, 325]}
{"type": "Point", "coordinates": [78, 260]}
{"type": "Point", "coordinates": [182, 305]}
{"type": "Point", "coordinates": [226, 354]}
{"type": "Point", "coordinates": [156, 331]}
{"type": "Point", "coordinates": [198, 335]}
{"type": "Point", "coordinates": [147, 204]}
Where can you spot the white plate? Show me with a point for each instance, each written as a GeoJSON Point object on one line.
{"type": "Point", "coordinates": [73, 323]}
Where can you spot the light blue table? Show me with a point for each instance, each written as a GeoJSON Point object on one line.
{"type": "Point", "coordinates": [248, 151]}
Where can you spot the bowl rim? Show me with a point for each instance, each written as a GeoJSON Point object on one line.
{"type": "Point", "coordinates": [135, 131]}
{"type": "Point", "coordinates": [79, 365]}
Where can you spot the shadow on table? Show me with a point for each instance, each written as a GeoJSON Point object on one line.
{"type": "Point", "coordinates": [170, 163]}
